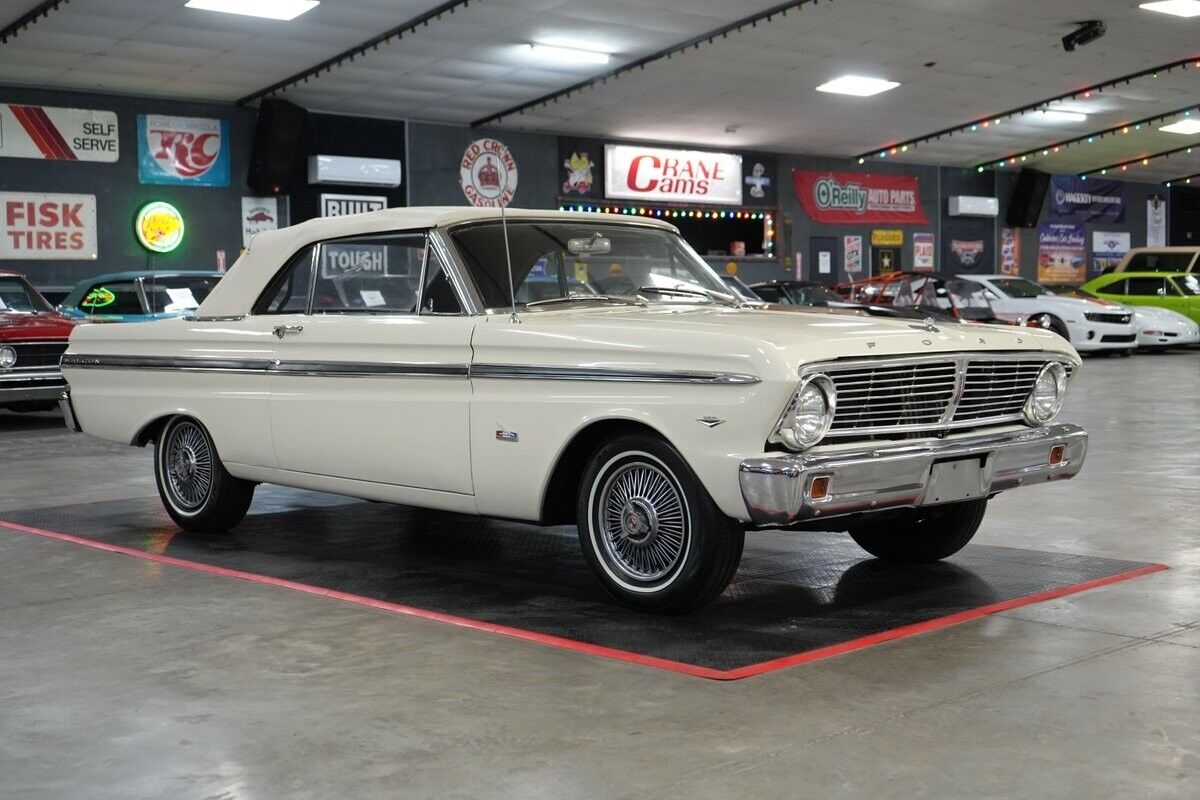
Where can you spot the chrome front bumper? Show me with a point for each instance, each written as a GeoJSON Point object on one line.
{"type": "Point", "coordinates": [777, 490]}
{"type": "Point", "coordinates": [20, 386]}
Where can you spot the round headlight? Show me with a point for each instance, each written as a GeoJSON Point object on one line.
{"type": "Point", "coordinates": [8, 357]}
{"type": "Point", "coordinates": [1047, 396]}
{"type": "Point", "coordinates": [810, 413]}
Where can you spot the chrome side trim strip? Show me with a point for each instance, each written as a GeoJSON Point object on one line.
{"type": "Point", "coordinates": [167, 363]}
{"type": "Point", "coordinates": [523, 372]}
{"type": "Point", "coordinates": [351, 369]}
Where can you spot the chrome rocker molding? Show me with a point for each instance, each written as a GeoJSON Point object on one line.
{"type": "Point", "coordinates": [68, 411]}
{"type": "Point", "coordinates": [777, 490]}
{"type": "Point", "coordinates": [345, 369]}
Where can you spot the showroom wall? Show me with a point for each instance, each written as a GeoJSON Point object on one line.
{"type": "Point", "coordinates": [211, 214]}
{"type": "Point", "coordinates": [335, 135]}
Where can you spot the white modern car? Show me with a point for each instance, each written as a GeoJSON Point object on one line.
{"type": "Point", "coordinates": [1158, 329]}
{"type": "Point", "coordinates": [1087, 325]}
{"type": "Point", "coordinates": [657, 412]}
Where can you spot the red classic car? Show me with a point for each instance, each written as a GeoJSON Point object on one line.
{"type": "Point", "coordinates": [33, 337]}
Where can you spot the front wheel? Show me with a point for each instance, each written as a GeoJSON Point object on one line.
{"type": "Point", "coordinates": [921, 535]}
{"type": "Point", "coordinates": [649, 530]}
{"type": "Point", "coordinates": [196, 490]}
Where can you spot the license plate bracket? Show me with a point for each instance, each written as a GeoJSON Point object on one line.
{"type": "Point", "coordinates": [955, 480]}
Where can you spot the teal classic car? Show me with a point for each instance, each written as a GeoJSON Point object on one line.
{"type": "Point", "coordinates": [139, 295]}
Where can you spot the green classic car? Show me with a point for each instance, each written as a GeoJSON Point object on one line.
{"type": "Point", "coordinates": [1178, 291]}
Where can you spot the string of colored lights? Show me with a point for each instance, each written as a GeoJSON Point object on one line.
{"type": "Point", "coordinates": [1184, 179]}
{"type": "Point", "coordinates": [992, 120]}
{"type": "Point", "coordinates": [1143, 160]}
{"type": "Point", "coordinates": [664, 212]}
{"type": "Point", "coordinates": [1088, 138]}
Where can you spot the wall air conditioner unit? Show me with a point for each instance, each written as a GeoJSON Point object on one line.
{"type": "Point", "coordinates": [353, 171]}
{"type": "Point", "coordinates": [966, 206]}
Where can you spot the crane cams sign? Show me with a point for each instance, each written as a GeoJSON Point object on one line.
{"type": "Point", "coordinates": [488, 173]}
{"type": "Point", "coordinates": [656, 175]}
{"type": "Point", "coordinates": [187, 151]}
{"type": "Point", "coordinates": [47, 226]}
{"type": "Point", "coordinates": [58, 134]}
{"type": "Point", "coordinates": [850, 198]}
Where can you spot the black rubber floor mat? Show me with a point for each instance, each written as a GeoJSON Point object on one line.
{"type": "Point", "coordinates": [796, 597]}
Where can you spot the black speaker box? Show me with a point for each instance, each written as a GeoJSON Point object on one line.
{"type": "Point", "coordinates": [277, 140]}
{"type": "Point", "coordinates": [1025, 205]}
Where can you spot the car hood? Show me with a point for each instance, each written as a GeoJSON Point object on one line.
{"type": "Point", "coordinates": [1162, 316]}
{"type": "Point", "coordinates": [1085, 304]}
{"type": "Point", "coordinates": [16, 326]}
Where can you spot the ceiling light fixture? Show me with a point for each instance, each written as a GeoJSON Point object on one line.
{"type": "Point", "coordinates": [568, 53]}
{"type": "Point", "coordinates": [1058, 116]}
{"type": "Point", "coordinates": [1187, 127]}
{"type": "Point", "coordinates": [857, 85]}
{"type": "Point", "coordinates": [282, 10]}
{"type": "Point", "coordinates": [1178, 8]}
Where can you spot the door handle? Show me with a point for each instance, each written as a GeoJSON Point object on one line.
{"type": "Point", "coordinates": [283, 330]}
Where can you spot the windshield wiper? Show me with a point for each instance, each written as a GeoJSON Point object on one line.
{"type": "Point", "coordinates": [728, 300]}
{"type": "Point", "coordinates": [579, 297]}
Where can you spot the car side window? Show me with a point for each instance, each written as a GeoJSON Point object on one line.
{"type": "Point", "coordinates": [1116, 287]}
{"type": "Point", "coordinates": [1146, 287]}
{"type": "Point", "coordinates": [369, 274]}
{"type": "Point", "coordinates": [288, 292]}
{"type": "Point", "coordinates": [438, 296]}
{"type": "Point", "coordinates": [118, 297]}
{"type": "Point", "coordinates": [1187, 285]}
{"type": "Point", "coordinates": [770, 294]}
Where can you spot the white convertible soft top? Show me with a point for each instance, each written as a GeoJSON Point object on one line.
{"type": "Point", "coordinates": [268, 251]}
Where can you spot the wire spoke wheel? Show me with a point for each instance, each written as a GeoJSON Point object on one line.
{"type": "Point", "coordinates": [188, 464]}
{"type": "Point", "coordinates": [643, 521]}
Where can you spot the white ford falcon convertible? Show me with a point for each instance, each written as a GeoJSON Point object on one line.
{"type": "Point", "coordinates": [564, 367]}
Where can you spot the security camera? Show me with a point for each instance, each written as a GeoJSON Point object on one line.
{"type": "Point", "coordinates": [1088, 31]}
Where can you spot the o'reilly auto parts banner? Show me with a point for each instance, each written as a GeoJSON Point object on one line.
{"type": "Point", "coordinates": [1073, 199]}
{"type": "Point", "coordinates": [658, 174]}
{"type": "Point", "coordinates": [47, 226]}
{"type": "Point", "coordinates": [59, 134]}
{"type": "Point", "coordinates": [851, 198]}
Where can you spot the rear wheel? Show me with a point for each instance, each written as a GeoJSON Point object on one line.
{"type": "Point", "coordinates": [923, 534]}
{"type": "Point", "coordinates": [650, 532]}
{"type": "Point", "coordinates": [196, 490]}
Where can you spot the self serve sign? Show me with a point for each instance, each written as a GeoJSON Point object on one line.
{"type": "Point", "coordinates": [58, 134]}
{"type": "Point", "coordinates": [47, 226]}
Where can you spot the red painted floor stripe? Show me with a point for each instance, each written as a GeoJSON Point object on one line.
{"type": "Point", "coordinates": [594, 649]}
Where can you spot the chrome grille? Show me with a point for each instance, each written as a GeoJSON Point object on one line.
{"type": "Point", "coordinates": [920, 396]}
{"type": "Point", "coordinates": [890, 396]}
{"type": "Point", "coordinates": [38, 355]}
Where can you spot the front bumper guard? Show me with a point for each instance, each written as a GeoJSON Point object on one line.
{"type": "Point", "coordinates": [778, 490]}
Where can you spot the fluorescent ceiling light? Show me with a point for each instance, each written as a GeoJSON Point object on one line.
{"type": "Point", "coordinates": [857, 85]}
{"type": "Point", "coordinates": [267, 9]}
{"type": "Point", "coordinates": [1179, 8]}
{"type": "Point", "coordinates": [1184, 126]}
{"type": "Point", "coordinates": [1057, 115]}
{"type": "Point", "coordinates": [568, 54]}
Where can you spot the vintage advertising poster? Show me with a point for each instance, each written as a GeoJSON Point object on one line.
{"type": "Point", "coordinates": [1062, 253]}
{"type": "Point", "coordinates": [58, 134]}
{"type": "Point", "coordinates": [184, 151]}
{"type": "Point", "coordinates": [1010, 251]}
{"type": "Point", "coordinates": [658, 174]}
{"type": "Point", "coordinates": [1073, 199]}
{"type": "Point", "coordinates": [852, 248]}
{"type": "Point", "coordinates": [923, 252]}
{"type": "Point", "coordinates": [340, 205]}
{"type": "Point", "coordinates": [967, 246]}
{"type": "Point", "coordinates": [47, 226]}
{"type": "Point", "coordinates": [488, 173]}
{"type": "Point", "coordinates": [1108, 248]}
{"type": "Point", "coordinates": [855, 198]}
{"type": "Point", "coordinates": [1156, 221]}
{"type": "Point", "coordinates": [258, 214]}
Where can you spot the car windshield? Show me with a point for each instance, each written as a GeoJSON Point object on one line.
{"type": "Point", "coordinates": [177, 292]}
{"type": "Point", "coordinates": [1188, 284]}
{"type": "Point", "coordinates": [1019, 287]}
{"type": "Point", "coordinates": [17, 295]}
{"type": "Point", "coordinates": [812, 294]}
{"type": "Point", "coordinates": [586, 261]}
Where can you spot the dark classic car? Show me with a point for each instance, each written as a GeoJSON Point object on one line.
{"type": "Point", "coordinates": [33, 337]}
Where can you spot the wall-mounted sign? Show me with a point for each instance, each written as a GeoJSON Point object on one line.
{"type": "Point", "coordinates": [47, 226]}
{"type": "Point", "coordinates": [189, 151]}
{"type": "Point", "coordinates": [656, 174]}
{"type": "Point", "coordinates": [580, 176]}
{"type": "Point", "coordinates": [1073, 199]}
{"type": "Point", "coordinates": [258, 214]}
{"type": "Point", "coordinates": [890, 237]}
{"type": "Point", "coordinates": [1108, 248]}
{"type": "Point", "coordinates": [923, 252]}
{"type": "Point", "coordinates": [159, 227]}
{"type": "Point", "coordinates": [852, 249]}
{"type": "Point", "coordinates": [61, 134]}
{"type": "Point", "coordinates": [488, 173]}
{"type": "Point", "coordinates": [340, 205]}
{"type": "Point", "coordinates": [1156, 221]}
{"type": "Point", "coordinates": [1010, 251]}
{"type": "Point", "coordinates": [848, 198]}
{"type": "Point", "coordinates": [1062, 253]}
{"type": "Point", "coordinates": [758, 180]}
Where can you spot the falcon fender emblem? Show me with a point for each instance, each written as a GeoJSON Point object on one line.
{"type": "Point", "coordinates": [710, 422]}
